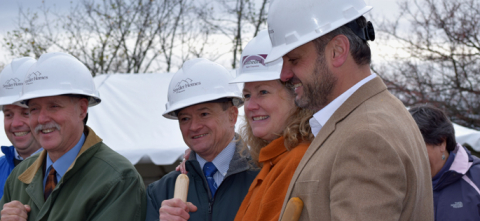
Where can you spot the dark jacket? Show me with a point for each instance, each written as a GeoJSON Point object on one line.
{"type": "Point", "coordinates": [456, 196]}
{"type": "Point", "coordinates": [227, 199]}
{"type": "Point", "coordinates": [6, 165]}
{"type": "Point", "coordinates": [99, 185]}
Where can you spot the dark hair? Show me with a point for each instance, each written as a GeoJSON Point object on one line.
{"type": "Point", "coordinates": [434, 125]}
{"type": "Point", "coordinates": [359, 48]}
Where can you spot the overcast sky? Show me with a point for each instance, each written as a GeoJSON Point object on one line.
{"type": "Point", "coordinates": [9, 12]}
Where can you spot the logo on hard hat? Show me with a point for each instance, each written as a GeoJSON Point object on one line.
{"type": "Point", "coordinates": [254, 61]}
{"type": "Point", "coordinates": [13, 82]}
{"type": "Point", "coordinates": [183, 84]}
{"type": "Point", "coordinates": [35, 76]}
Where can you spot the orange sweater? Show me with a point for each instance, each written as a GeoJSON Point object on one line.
{"type": "Point", "coordinates": [265, 197]}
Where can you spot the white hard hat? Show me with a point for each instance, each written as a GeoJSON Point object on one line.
{"type": "Point", "coordinates": [253, 67]}
{"type": "Point", "coordinates": [59, 74]}
{"type": "Point", "coordinates": [198, 81]}
{"type": "Point", "coordinates": [292, 25]}
{"type": "Point", "coordinates": [11, 78]}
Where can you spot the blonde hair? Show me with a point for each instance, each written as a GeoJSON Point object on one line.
{"type": "Point", "coordinates": [297, 130]}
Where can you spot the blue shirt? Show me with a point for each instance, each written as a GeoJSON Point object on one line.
{"type": "Point", "coordinates": [221, 162]}
{"type": "Point", "coordinates": [64, 162]}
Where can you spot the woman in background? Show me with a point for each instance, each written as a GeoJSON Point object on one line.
{"type": "Point", "coordinates": [455, 172]}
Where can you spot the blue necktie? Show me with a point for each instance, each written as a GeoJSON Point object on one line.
{"type": "Point", "coordinates": [209, 169]}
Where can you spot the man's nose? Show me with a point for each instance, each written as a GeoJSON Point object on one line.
{"type": "Point", "coordinates": [196, 124]}
{"type": "Point", "coordinates": [286, 74]}
{"type": "Point", "coordinates": [17, 121]}
{"type": "Point", "coordinates": [43, 117]}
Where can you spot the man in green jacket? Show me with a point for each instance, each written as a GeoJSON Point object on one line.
{"type": "Point", "coordinates": [206, 107]}
{"type": "Point", "coordinates": [77, 177]}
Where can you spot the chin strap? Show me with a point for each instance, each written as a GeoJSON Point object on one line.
{"type": "Point", "coordinates": [367, 33]}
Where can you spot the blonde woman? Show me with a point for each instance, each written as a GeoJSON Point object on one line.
{"type": "Point", "coordinates": [276, 130]}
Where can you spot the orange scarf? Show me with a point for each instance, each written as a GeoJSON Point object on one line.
{"type": "Point", "coordinates": [265, 197]}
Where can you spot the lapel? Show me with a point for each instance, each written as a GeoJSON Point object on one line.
{"type": "Point", "coordinates": [33, 175]}
{"type": "Point", "coordinates": [363, 93]}
{"type": "Point", "coordinates": [35, 188]}
{"type": "Point", "coordinates": [28, 175]}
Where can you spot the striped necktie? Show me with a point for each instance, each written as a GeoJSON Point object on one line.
{"type": "Point", "coordinates": [51, 182]}
{"type": "Point", "coordinates": [209, 169]}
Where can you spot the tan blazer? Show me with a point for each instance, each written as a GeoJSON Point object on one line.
{"type": "Point", "coordinates": [368, 162]}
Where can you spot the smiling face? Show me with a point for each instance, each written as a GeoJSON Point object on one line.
{"type": "Point", "coordinates": [57, 122]}
{"type": "Point", "coordinates": [16, 123]}
{"type": "Point", "coordinates": [268, 105]}
{"type": "Point", "coordinates": [308, 73]}
{"type": "Point", "coordinates": [207, 128]}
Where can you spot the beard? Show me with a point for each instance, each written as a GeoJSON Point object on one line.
{"type": "Point", "coordinates": [317, 90]}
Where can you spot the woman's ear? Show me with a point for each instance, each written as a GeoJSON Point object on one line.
{"type": "Point", "coordinates": [443, 145]}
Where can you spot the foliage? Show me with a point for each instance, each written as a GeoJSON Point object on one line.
{"type": "Point", "coordinates": [238, 20]}
{"type": "Point", "coordinates": [440, 63]}
{"type": "Point", "coordinates": [112, 36]}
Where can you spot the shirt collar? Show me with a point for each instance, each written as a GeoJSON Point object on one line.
{"type": "Point", "coordinates": [222, 160]}
{"type": "Point", "coordinates": [38, 151]}
{"type": "Point", "coordinates": [64, 162]}
{"type": "Point", "coordinates": [17, 156]}
{"type": "Point", "coordinates": [322, 116]}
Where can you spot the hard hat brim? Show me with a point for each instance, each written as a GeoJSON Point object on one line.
{"type": "Point", "coordinates": [279, 51]}
{"type": "Point", "coordinates": [94, 99]}
{"type": "Point", "coordinates": [255, 77]}
{"type": "Point", "coordinates": [169, 114]}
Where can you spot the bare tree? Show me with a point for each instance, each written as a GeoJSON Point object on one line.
{"type": "Point", "coordinates": [239, 20]}
{"type": "Point", "coordinates": [440, 63]}
{"type": "Point", "coordinates": [112, 36]}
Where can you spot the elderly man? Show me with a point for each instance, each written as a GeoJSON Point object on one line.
{"type": "Point", "coordinates": [16, 119]}
{"type": "Point", "coordinates": [206, 107]}
{"type": "Point", "coordinates": [368, 160]}
{"type": "Point", "coordinates": [77, 177]}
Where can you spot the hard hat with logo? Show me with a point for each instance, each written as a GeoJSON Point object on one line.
{"type": "Point", "coordinates": [59, 74]}
{"type": "Point", "coordinates": [292, 25]}
{"type": "Point", "coordinates": [253, 66]}
{"type": "Point", "coordinates": [199, 81]}
{"type": "Point", "coordinates": [11, 78]}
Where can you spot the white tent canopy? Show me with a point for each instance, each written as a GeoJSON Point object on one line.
{"type": "Point", "coordinates": [466, 135]}
{"type": "Point", "coordinates": [129, 119]}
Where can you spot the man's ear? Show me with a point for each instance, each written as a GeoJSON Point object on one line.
{"type": "Point", "coordinates": [83, 105]}
{"type": "Point", "coordinates": [340, 49]}
{"type": "Point", "coordinates": [232, 115]}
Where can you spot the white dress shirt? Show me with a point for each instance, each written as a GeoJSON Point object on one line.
{"type": "Point", "coordinates": [321, 117]}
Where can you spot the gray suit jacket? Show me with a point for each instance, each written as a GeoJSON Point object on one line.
{"type": "Point", "coordinates": [368, 162]}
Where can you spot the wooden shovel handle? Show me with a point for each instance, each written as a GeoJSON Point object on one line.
{"type": "Point", "coordinates": [181, 187]}
{"type": "Point", "coordinates": [293, 210]}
